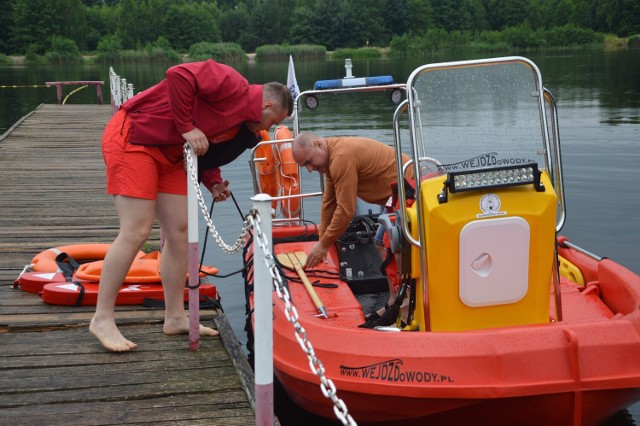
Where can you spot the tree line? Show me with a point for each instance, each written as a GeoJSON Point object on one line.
{"type": "Point", "coordinates": [35, 26]}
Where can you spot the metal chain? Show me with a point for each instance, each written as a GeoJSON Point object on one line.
{"type": "Point", "coordinates": [237, 246]}
{"type": "Point", "coordinates": [326, 385]}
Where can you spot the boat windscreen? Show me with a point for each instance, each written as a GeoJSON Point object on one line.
{"type": "Point", "coordinates": [479, 115]}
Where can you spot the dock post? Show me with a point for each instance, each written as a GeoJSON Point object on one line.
{"type": "Point", "coordinates": [194, 262]}
{"type": "Point", "coordinates": [263, 317]}
{"type": "Point", "coordinates": [59, 93]}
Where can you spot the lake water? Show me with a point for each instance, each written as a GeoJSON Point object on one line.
{"type": "Point", "coordinates": [598, 96]}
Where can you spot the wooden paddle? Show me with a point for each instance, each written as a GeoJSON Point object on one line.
{"type": "Point", "coordinates": [295, 260]}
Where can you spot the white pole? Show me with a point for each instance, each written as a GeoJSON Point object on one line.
{"type": "Point", "coordinates": [262, 317]}
{"type": "Point", "coordinates": [194, 263]}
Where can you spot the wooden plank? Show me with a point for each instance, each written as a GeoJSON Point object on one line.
{"type": "Point", "coordinates": [52, 370]}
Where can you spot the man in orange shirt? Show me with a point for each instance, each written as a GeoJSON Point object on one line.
{"type": "Point", "coordinates": [353, 167]}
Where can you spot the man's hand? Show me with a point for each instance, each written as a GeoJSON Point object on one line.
{"type": "Point", "coordinates": [317, 255]}
{"type": "Point", "coordinates": [220, 191]}
{"type": "Point", "coordinates": [197, 140]}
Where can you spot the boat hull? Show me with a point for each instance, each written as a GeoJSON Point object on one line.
{"type": "Point", "coordinates": [534, 410]}
{"type": "Point", "coordinates": [580, 370]}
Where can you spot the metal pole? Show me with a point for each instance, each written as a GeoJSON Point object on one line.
{"type": "Point", "coordinates": [194, 266]}
{"type": "Point", "coordinates": [262, 316]}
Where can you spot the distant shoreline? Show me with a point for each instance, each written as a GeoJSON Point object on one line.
{"type": "Point", "coordinates": [617, 44]}
{"type": "Point", "coordinates": [251, 57]}
{"type": "Point", "coordinates": [18, 60]}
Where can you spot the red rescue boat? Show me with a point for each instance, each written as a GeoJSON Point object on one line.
{"type": "Point", "coordinates": [500, 320]}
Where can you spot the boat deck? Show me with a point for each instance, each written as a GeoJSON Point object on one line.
{"type": "Point", "coordinates": [53, 370]}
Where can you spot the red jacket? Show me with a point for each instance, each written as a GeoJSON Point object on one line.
{"type": "Point", "coordinates": [210, 96]}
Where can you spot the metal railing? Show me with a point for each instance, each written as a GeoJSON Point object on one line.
{"type": "Point", "coordinates": [121, 91]}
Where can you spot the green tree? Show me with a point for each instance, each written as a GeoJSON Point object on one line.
{"type": "Point", "coordinates": [101, 21]}
{"type": "Point", "coordinates": [582, 14]}
{"type": "Point", "coordinates": [477, 14]}
{"type": "Point", "coordinates": [268, 22]}
{"type": "Point", "coordinates": [6, 23]}
{"type": "Point", "coordinates": [321, 23]}
{"type": "Point", "coordinates": [279, 27]}
{"type": "Point", "coordinates": [109, 49]}
{"type": "Point", "coordinates": [556, 13]}
{"type": "Point", "coordinates": [62, 50]}
{"type": "Point", "coordinates": [90, 3]}
{"type": "Point", "coordinates": [362, 26]}
{"type": "Point", "coordinates": [397, 16]}
{"type": "Point", "coordinates": [139, 22]}
{"type": "Point", "coordinates": [264, 24]}
{"type": "Point", "coordinates": [534, 14]}
{"type": "Point", "coordinates": [503, 14]}
{"type": "Point", "coordinates": [421, 16]}
{"type": "Point", "coordinates": [73, 21]}
{"type": "Point", "coordinates": [448, 16]}
{"type": "Point", "coordinates": [233, 23]}
{"type": "Point", "coordinates": [33, 22]}
{"type": "Point", "coordinates": [621, 17]}
{"type": "Point", "coordinates": [191, 23]}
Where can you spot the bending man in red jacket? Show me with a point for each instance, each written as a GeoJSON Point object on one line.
{"type": "Point", "coordinates": [204, 104]}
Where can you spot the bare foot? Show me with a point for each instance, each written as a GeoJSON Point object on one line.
{"type": "Point", "coordinates": [181, 326]}
{"type": "Point", "coordinates": [109, 336]}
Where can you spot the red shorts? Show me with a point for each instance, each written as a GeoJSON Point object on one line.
{"type": "Point", "coordinates": [137, 170]}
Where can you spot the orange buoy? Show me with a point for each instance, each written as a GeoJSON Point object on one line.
{"type": "Point", "coordinates": [144, 269]}
{"type": "Point", "coordinates": [288, 173]}
{"type": "Point", "coordinates": [49, 265]}
{"type": "Point", "coordinates": [267, 169]}
{"type": "Point", "coordinates": [45, 261]}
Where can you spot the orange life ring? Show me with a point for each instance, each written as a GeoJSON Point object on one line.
{"type": "Point", "coordinates": [46, 261]}
{"type": "Point", "coordinates": [288, 173]}
{"type": "Point", "coordinates": [267, 169]}
{"type": "Point", "coordinates": [144, 269]}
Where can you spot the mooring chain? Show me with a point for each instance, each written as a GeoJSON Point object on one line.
{"type": "Point", "coordinates": [235, 248]}
{"type": "Point", "coordinates": [326, 385]}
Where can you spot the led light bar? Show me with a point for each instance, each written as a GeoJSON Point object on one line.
{"type": "Point", "coordinates": [499, 177]}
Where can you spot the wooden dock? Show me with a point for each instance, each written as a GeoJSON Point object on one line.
{"type": "Point", "coordinates": [52, 370]}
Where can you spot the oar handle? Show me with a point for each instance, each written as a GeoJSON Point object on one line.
{"type": "Point", "coordinates": [311, 290]}
{"type": "Point", "coordinates": [292, 258]}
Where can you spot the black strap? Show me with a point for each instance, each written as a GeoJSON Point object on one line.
{"type": "Point", "coordinates": [81, 295]}
{"type": "Point", "coordinates": [69, 267]}
{"type": "Point", "coordinates": [206, 236]}
{"type": "Point", "coordinates": [387, 260]}
{"type": "Point", "coordinates": [412, 301]}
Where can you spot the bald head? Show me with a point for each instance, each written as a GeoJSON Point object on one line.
{"type": "Point", "coordinates": [311, 152]}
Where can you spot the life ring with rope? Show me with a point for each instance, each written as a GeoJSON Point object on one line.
{"type": "Point", "coordinates": [288, 173]}
{"type": "Point", "coordinates": [45, 261]}
{"type": "Point", "coordinates": [84, 262]}
{"type": "Point", "coordinates": [144, 269]}
{"type": "Point", "coordinates": [267, 169]}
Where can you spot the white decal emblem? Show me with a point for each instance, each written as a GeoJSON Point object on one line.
{"type": "Point", "coordinates": [490, 206]}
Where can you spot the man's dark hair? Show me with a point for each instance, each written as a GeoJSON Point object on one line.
{"type": "Point", "coordinates": [280, 93]}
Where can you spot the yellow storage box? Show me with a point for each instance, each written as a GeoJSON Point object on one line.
{"type": "Point", "coordinates": [489, 255]}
